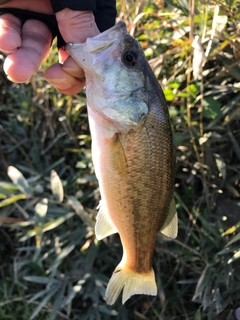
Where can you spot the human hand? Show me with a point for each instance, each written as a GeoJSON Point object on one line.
{"type": "Point", "coordinates": [28, 45]}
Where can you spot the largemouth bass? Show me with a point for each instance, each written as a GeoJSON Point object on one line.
{"type": "Point", "coordinates": [133, 154]}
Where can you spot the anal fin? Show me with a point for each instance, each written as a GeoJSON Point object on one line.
{"type": "Point", "coordinates": [170, 227]}
{"type": "Point", "coordinates": [104, 226]}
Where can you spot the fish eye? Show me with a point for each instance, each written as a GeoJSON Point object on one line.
{"type": "Point", "coordinates": [130, 59]}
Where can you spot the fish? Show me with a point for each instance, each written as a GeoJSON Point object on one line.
{"type": "Point", "coordinates": [132, 152]}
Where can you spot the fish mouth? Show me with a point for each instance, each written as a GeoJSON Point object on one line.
{"type": "Point", "coordinates": [119, 26]}
{"type": "Point", "coordinates": [103, 40]}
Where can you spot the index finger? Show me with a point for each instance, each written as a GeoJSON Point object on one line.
{"type": "Point", "coordinates": [10, 33]}
{"type": "Point", "coordinates": [35, 45]}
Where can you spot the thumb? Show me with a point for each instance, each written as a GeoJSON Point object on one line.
{"type": "Point", "coordinates": [74, 26]}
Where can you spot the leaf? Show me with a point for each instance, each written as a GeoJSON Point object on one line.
{"type": "Point", "coordinates": [74, 291]}
{"type": "Point", "coordinates": [231, 3]}
{"type": "Point", "coordinates": [40, 213]}
{"type": "Point", "coordinates": [65, 252]}
{"type": "Point", "coordinates": [233, 71]}
{"type": "Point", "coordinates": [58, 302]}
{"type": "Point", "coordinates": [228, 250]}
{"type": "Point", "coordinates": [78, 208]}
{"type": "Point", "coordinates": [56, 186]}
{"type": "Point", "coordinates": [105, 310]}
{"type": "Point", "coordinates": [234, 257]}
{"type": "Point", "coordinates": [199, 57]}
{"type": "Point", "coordinates": [8, 186]}
{"type": "Point", "coordinates": [38, 295]}
{"type": "Point", "coordinates": [51, 293]}
{"type": "Point", "coordinates": [35, 279]}
{"type": "Point", "coordinates": [169, 95]}
{"type": "Point", "coordinates": [211, 108]}
{"type": "Point", "coordinates": [201, 283]}
{"type": "Point", "coordinates": [218, 300]}
{"type": "Point", "coordinates": [234, 239]}
{"type": "Point", "coordinates": [41, 209]}
{"type": "Point", "coordinates": [221, 23]}
{"type": "Point", "coordinates": [231, 230]}
{"type": "Point", "coordinates": [235, 144]}
{"type": "Point", "coordinates": [209, 136]}
{"type": "Point", "coordinates": [55, 164]}
{"type": "Point", "coordinates": [91, 255]}
{"type": "Point", "coordinates": [12, 199]}
{"type": "Point", "coordinates": [187, 281]}
{"type": "Point", "coordinates": [193, 89]}
{"type": "Point", "coordinates": [221, 165]}
{"type": "Point", "coordinates": [198, 315]}
{"type": "Point", "coordinates": [16, 176]}
{"type": "Point", "coordinates": [48, 226]}
{"type": "Point", "coordinates": [10, 220]}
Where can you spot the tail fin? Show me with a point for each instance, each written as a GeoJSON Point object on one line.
{"type": "Point", "coordinates": [131, 283]}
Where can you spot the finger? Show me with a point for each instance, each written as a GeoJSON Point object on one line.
{"type": "Point", "coordinates": [5, 1]}
{"type": "Point", "coordinates": [24, 62]}
{"type": "Point", "coordinates": [10, 33]}
{"type": "Point", "coordinates": [63, 81]}
{"type": "Point", "coordinates": [76, 26]}
{"type": "Point", "coordinates": [72, 68]}
{"type": "Point", "coordinates": [62, 55]}
{"type": "Point", "coordinates": [69, 65]}
{"type": "Point", "coordinates": [43, 6]}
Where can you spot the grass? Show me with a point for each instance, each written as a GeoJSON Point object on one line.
{"type": "Point", "coordinates": [51, 265]}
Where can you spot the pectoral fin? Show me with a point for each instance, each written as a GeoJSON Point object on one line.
{"type": "Point", "coordinates": [170, 227]}
{"type": "Point", "coordinates": [104, 226]}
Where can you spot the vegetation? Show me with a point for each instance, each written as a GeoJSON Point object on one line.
{"type": "Point", "coordinates": [51, 265]}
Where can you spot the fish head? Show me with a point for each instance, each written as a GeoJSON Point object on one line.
{"type": "Point", "coordinates": [115, 70]}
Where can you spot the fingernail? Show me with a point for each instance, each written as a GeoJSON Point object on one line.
{"type": "Point", "coordinates": [60, 83]}
{"type": "Point", "coordinates": [17, 81]}
{"type": "Point", "coordinates": [74, 72]}
{"type": "Point", "coordinates": [69, 69]}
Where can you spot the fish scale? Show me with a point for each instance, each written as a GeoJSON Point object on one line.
{"type": "Point", "coordinates": [144, 200]}
{"type": "Point", "coordinates": [133, 155]}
